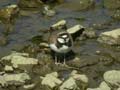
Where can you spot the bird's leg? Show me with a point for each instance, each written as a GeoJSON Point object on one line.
{"type": "Point", "coordinates": [64, 60]}
{"type": "Point", "coordinates": [56, 59]}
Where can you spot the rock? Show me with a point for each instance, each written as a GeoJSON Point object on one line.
{"type": "Point", "coordinates": [103, 86]}
{"type": "Point", "coordinates": [80, 77]}
{"type": "Point", "coordinates": [75, 82]}
{"type": "Point", "coordinates": [112, 77]}
{"type": "Point", "coordinates": [77, 5]}
{"type": "Point", "coordinates": [115, 14]}
{"type": "Point", "coordinates": [52, 1]}
{"type": "Point", "coordinates": [75, 29]}
{"type": "Point", "coordinates": [20, 59]}
{"type": "Point", "coordinates": [118, 89]}
{"type": "Point", "coordinates": [27, 4]}
{"type": "Point", "coordinates": [3, 40]}
{"type": "Point", "coordinates": [112, 4]}
{"type": "Point", "coordinates": [30, 86]}
{"type": "Point", "coordinates": [51, 80]}
{"type": "Point", "coordinates": [110, 37]}
{"type": "Point", "coordinates": [16, 79]}
{"type": "Point", "coordinates": [60, 24]}
{"type": "Point", "coordinates": [48, 11]}
{"type": "Point", "coordinates": [8, 68]}
{"type": "Point", "coordinates": [89, 33]}
{"type": "Point", "coordinates": [69, 84]}
{"type": "Point", "coordinates": [8, 13]}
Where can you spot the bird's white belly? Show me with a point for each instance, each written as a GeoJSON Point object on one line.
{"type": "Point", "coordinates": [63, 49]}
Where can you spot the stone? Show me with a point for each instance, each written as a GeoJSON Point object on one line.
{"type": "Point", "coordinates": [60, 24]}
{"type": "Point", "coordinates": [80, 77]}
{"type": "Point", "coordinates": [27, 4]}
{"type": "Point", "coordinates": [75, 29]}
{"type": "Point", "coordinates": [30, 86]}
{"type": "Point", "coordinates": [103, 86]}
{"type": "Point", "coordinates": [111, 4]}
{"type": "Point", "coordinates": [89, 33]}
{"type": "Point", "coordinates": [20, 59]}
{"type": "Point", "coordinates": [112, 77]}
{"type": "Point", "coordinates": [8, 13]}
{"type": "Point", "coordinates": [69, 84]}
{"type": "Point", "coordinates": [51, 80]}
{"type": "Point", "coordinates": [3, 40]}
{"type": "Point", "coordinates": [48, 11]}
{"type": "Point", "coordinates": [77, 5]}
{"type": "Point", "coordinates": [110, 37]}
{"type": "Point", "coordinates": [8, 68]}
{"type": "Point", "coordinates": [15, 79]}
{"type": "Point", "coordinates": [75, 82]}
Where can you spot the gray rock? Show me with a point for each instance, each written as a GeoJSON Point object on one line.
{"type": "Point", "coordinates": [112, 4]}
{"type": "Point", "coordinates": [75, 29]}
{"type": "Point", "coordinates": [60, 24]}
{"type": "Point", "coordinates": [48, 11]}
{"type": "Point", "coordinates": [71, 82]}
{"type": "Point", "coordinates": [110, 37]}
{"type": "Point", "coordinates": [20, 59]}
{"type": "Point", "coordinates": [15, 79]}
{"type": "Point", "coordinates": [103, 86]}
{"type": "Point", "coordinates": [30, 86]}
{"type": "Point", "coordinates": [112, 77]}
{"type": "Point", "coordinates": [51, 80]}
{"type": "Point", "coordinates": [8, 68]}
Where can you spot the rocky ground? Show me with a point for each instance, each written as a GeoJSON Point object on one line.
{"type": "Point", "coordinates": [25, 58]}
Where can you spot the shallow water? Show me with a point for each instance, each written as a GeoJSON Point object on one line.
{"type": "Point", "coordinates": [27, 27]}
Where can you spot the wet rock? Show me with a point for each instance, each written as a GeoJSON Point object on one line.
{"type": "Point", "coordinates": [103, 86]}
{"type": "Point", "coordinates": [8, 13]}
{"type": "Point", "coordinates": [112, 4]}
{"type": "Point", "coordinates": [77, 5]}
{"type": "Point", "coordinates": [110, 37]}
{"type": "Point", "coordinates": [20, 59]}
{"type": "Point", "coordinates": [16, 79]}
{"type": "Point", "coordinates": [47, 11]}
{"type": "Point", "coordinates": [74, 29]}
{"type": "Point", "coordinates": [112, 77]}
{"type": "Point", "coordinates": [115, 14]}
{"type": "Point", "coordinates": [106, 60]}
{"type": "Point", "coordinates": [53, 1]}
{"type": "Point", "coordinates": [75, 82]}
{"type": "Point", "coordinates": [59, 25]}
{"type": "Point", "coordinates": [45, 65]}
{"type": "Point", "coordinates": [27, 4]}
{"type": "Point", "coordinates": [89, 33]}
{"type": "Point", "coordinates": [69, 85]}
{"type": "Point", "coordinates": [30, 86]}
{"type": "Point", "coordinates": [51, 80]}
{"type": "Point", "coordinates": [3, 40]}
{"type": "Point", "coordinates": [8, 68]}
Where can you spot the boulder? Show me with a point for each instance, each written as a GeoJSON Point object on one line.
{"type": "Point", "coordinates": [8, 68]}
{"type": "Point", "coordinates": [20, 59]}
{"type": "Point", "coordinates": [110, 37]}
{"type": "Point", "coordinates": [112, 4]}
{"type": "Point", "coordinates": [112, 77]}
{"type": "Point", "coordinates": [16, 79]}
{"type": "Point", "coordinates": [75, 82]}
{"type": "Point", "coordinates": [103, 86]}
{"type": "Point", "coordinates": [69, 84]}
{"type": "Point", "coordinates": [51, 80]}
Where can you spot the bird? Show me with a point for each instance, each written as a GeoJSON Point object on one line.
{"type": "Point", "coordinates": [60, 42]}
